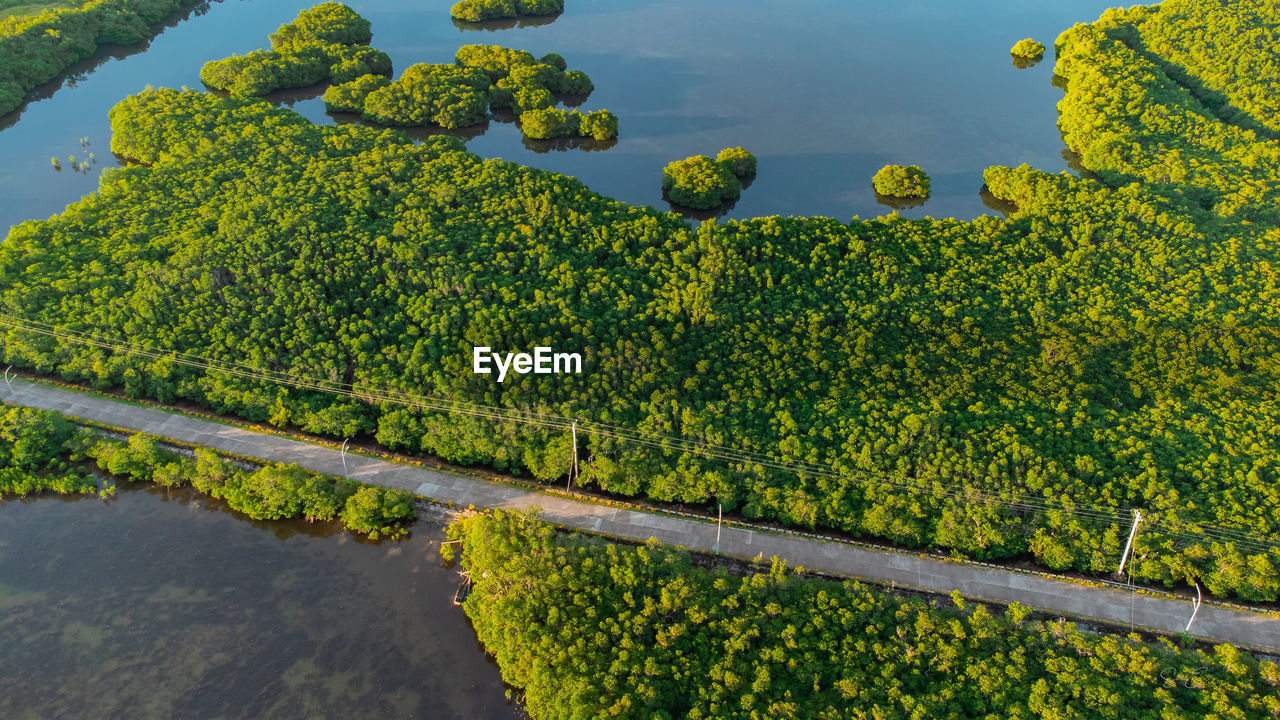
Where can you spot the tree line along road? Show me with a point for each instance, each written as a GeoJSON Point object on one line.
{"type": "Point", "coordinates": [1110, 605]}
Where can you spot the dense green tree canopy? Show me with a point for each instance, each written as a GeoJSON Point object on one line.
{"type": "Point", "coordinates": [446, 95]}
{"type": "Point", "coordinates": [350, 96]}
{"type": "Point", "coordinates": [1027, 49]}
{"type": "Point", "coordinates": [1000, 388]}
{"type": "Point", "coordinates": [901, 181]}
{"type": "Point", "coordinates": [480, 10]}
{"type": "Point", "coordinates": [33, 449]}
{"type": "Point", "coordinates": [34, 49]}
{"type": "Point", "coordinates": [740, 162]}
{"type": "Point", "coordinates": [37, 448]}
{"type": "Point", "coordinates": [554, 122]}
{"type": "Point", "coordinates": [596, 630]}
{"type": "Point", "coordinates": [321, 44]}
{"type": "Point", "coordinates": [329, 23]}
{"type": "Point", "coordinates": [483, 76]}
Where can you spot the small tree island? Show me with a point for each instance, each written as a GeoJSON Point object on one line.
{"type": "Point", "coordinates": [323, 43]}
{"type": "Point", "coordinates": [740, 162]}
{"type": "Point", "coordinates": [481, 78]}
{"type": "Point", "coordinates": [481, 10]}
{"type": "Point", "coordinates": [1027, 49]}
{"type": "Point", "coordinates": [550, 123]}
{"type": "Point", "coordinates": [901, 181]}
{"type": "Point", "coordinates": [702, 183]}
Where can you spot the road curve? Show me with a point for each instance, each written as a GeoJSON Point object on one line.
{"type": "Point", "coordinates": [1108, 605]}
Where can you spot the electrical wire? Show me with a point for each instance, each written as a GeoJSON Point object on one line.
{"type": "Point", "coordinates": [370, 394]}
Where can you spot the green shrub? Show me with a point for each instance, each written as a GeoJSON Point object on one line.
{"type": "Point", "coordinates": [33, 439]}
{"type": "Point", "coordinates": [329, 23]}
{"type": "Point", "coordinates": [494, 60]}
{"type": "Point", "coordinates": [447, 95]}
{"type": "Point", "coordinates": [528, 98]}
{"type": "Point", "coordinates": [350, 63]}
{"type": "Point", "coordinates": [34, 445]}
{"type": "Point", "coordinates": [555, 60]}
{"type": "Point", "coordinates": [701, 183]}
{"type": "Point", "coordinates": [209, 472]}
{"type": "Point", "coordinates": [275, 492]}
{"type": "Point", "coordinates": [459, 95]}
{"type": "Point", "coordinates": [903, 181]}
{"type": "Point", "coordinates": [320, 45]}
{"type": "Point", "coordinates": [139, 459]}
{"type": "Point", "coordinates": [576, 82]}
{"type": "Point", "coordinates": [378, 511]}
{"type": "Point", "coordinates": [481, 10]}
{"type": "Point", "coordinates": [739, 162]}
{"type": "Point", "coordinates": [19, 482]}
{"type": "Point", "coordinates": [541, 124]}
{"type": "Point", "coordinates": [11, 96]}
{"type": "Point", "coordinates": [599, 124]}
{"type": "Point", "coordinates": [539, 7]}
{"type": "Point", "coordinates": [538, 75]}
{"type": "Point", "coordinates": [350, 96]}
{"type": "Point", "coordinates": [1028, 49]}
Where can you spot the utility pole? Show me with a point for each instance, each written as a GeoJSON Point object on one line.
{"type": "Point", "coordinates": [719, 521]}
{"type": "Point", "coordinates": [1195, 609]}
{"type": "Point", "coordinates": [345, 474]}
{"type": "Point", "coordinates": [1124, 557]}
{"type": "Point", "coordinates": [573, 455]}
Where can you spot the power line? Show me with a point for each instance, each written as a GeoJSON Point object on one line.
{"type": "Point", "coordinates": [662, 442]}
{"type": "Point", "coordinates": [935, 488]}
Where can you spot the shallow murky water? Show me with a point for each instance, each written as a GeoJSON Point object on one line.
{"type": "Point", "coordinates": [165, 605]}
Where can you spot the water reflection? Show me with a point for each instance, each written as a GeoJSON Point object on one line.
{"type": "Point", "coordinates": [697, 214]}
{"type": "Point", "coordinates": [531, 21]}
{"type": "Point", "coordinates": [1075, 162]}
{"type": "Point", "coordinates": [560, 144]}
{"type": "Point", "coordinates": [900, 203]}
{"type": "Point", "coordinates": [1023, 63]}
{"type": "Point", "coordinates": [571, 100]}
{"type": "Point", "coordinates": [417, 132]}
{"type": "Point", "coordinates": [1003, 207]}
{"type": "Point", "coordinates": [70, 78]}
{"type": "Point", "coordinates": [80, 71]}
{"type": "Point", "coordinates": [292, 96]}
{"type": "Point", "coordinates": [162, 604]}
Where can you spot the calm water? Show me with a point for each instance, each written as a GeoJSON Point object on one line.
{"type": "Point", "coordinates": [162, 605]}
{"type": "Point", "coordinates": [825, 92]}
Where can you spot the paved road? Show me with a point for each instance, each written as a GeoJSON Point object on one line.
{"type": "Point", "coordinates": [1059, 597]}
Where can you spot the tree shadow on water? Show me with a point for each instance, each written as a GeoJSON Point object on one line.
{"type": "Point", "coordinates": [695, 213]}
{"type": "Point", "coordinates": [83, 69]}
{"type": "Point", "coordinates": [561, 144]}
{"type": "Point", "coordinates": [292, 96]}
{"type": "Point", "coordinates": [1004, 207]}
{"type": "Point", "coordinates": [528, 21]}
{"type": "Point", "coordinates": [417, 132]}
{"type": "Point", "coordinates": [900, 203]}
{"type": "Point", "coordinates": [568, 100]}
